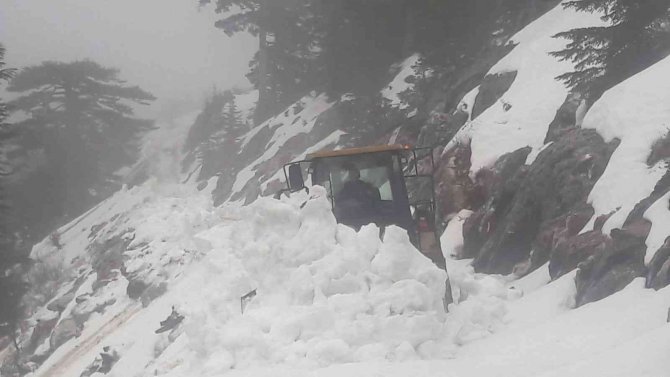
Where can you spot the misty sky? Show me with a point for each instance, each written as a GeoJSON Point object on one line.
{"type": "Point", "coordinates": [168, 47]}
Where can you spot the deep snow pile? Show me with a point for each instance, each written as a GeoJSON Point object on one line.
{"type": "Point", "coordinates": [331, 301]}
{"type": "Point", "coordinates": [324, 293]}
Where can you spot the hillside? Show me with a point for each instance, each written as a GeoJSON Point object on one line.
{"type": "Point", "coordinates": [556, 219]}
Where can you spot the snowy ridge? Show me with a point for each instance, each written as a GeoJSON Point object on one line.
{"type": "Point", "coordinates": [329, 141]}
{"type": "Point", "coordinates": [637, 111]}
{"type": "Point", "coordinates": [330, 301]}
{"type": "Point", "coordinates": [295, 123]}
{"type": "Point", "coordinates": [522, 116]}
{"type": "Point", "coordinates": [399, 84]}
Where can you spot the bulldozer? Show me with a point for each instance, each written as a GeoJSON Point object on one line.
{"type": "Point", "coordinates": [383, 184]}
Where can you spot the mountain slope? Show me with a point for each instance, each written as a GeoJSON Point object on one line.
{"type": "Point", "coordinates": [526, 188]}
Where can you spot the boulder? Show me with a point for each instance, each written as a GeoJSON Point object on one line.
{"type": "Point", "coordinates": [569, 252]}
{"type": "Point", "coordinates": [659, 267]}
{"type": "Point", "coordinates": [41, 331]}
{"type": "Point", "coordinates": [107, 256]}
{"type": "Point", "coordinates": [497, 186]}
{"type": "Point", "coordinates": [59, 304]}
{"type": "Point", "coordinates": [64, 331]}
{"type": "Point", "coordinates": [565, 118]}
{"type": "Point", "coordinates": [143, 291]}
{"type": "Point", "coordinates": [660, 150]}
{"type": "Point", "coordinates": [537, 207]}
{"type": "Point", "coordinates": [613, 268]}
{"type": "Point", "coordinates": [491, 89]}
{"type": "Point", "coordinates": [453, 185]}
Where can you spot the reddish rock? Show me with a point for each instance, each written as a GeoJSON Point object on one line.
{"type": "Point", "coordinates": [659, 268]}
{"type": "Point", "coordinates": [569, 252]}
{"type": "Point", "coordinates": [532, 209]}
{"type": "Point", "coordinates": [41, 331]}
{"type": "Point", "coordinates": [453, 185]}
{"type": "Point", "coordinates": [64, 331]}
{"type": "Point", "coordinates": [601, 220]}
{"type": "Point", "coordinates": [611, 269]}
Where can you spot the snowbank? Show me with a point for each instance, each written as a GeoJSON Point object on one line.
{"type": "Point", "coordinates": [324, 293]}
{"type": "Point", "coordinates": [328, 300]}
{"type": "Point", "coordinates": [452, 238]}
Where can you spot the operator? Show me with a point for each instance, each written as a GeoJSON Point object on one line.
{"type": "Point", "coordinates": [357, 197]}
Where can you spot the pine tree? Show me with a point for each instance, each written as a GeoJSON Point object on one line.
{"type": "Point", "coordinates": [79, 117]}
{"type": "Point", "coordinates": [636, 36]}
{"type": "Point", "coordinates": [283, 67]}
{"type": "Point", "coordinates": [12, 287]}
{"type": "Point", "coordinates": [214, 139]}
{"type": "Point", "coordinates": [5, 75]}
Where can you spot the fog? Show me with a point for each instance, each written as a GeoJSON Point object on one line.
{"type": "Point", "coordinates": [168, 47]}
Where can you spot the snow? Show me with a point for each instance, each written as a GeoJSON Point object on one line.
{"type": "Point", "coordinates": [329, 141]}
{"type": "Point", "coordinates": [611, 337]}
{"type": "Point", "coordinates": [637, 112]}
{"type": "Point", "coordinates": [659, 215]}
{"type": "Point", "coordinates": [468, 101]}
{"type": "Point", "coordinates": [285, 126]}
{"type": "Point", "coordinates": [399, 83]}
{"type": "Point", "coordinates": [534, 96]}
{"type": "Point", "coordinates": [452, 238]}
{"type": "Point", "coordinates": [331, 300]}
{"type": "Point", "coordinates": [325, 293]}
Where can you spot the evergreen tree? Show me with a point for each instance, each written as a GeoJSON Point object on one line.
{"type": "Point", "coordinates": [5, 75]}
{"type": "Point", "coordinates": [283, 67]}
{"type": "Point", "coordinates": [214, 137]}
{"type": "Point", "coordinates": [12, 287]}
{"type": "Point", "coordinates": [636, 36]}
{"type": "Point", "coordinates": [79, 130]}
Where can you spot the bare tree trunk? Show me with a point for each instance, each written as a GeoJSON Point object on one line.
{"type": "Point", "coordinates": [410, 20]}
{"type": "Point", "coordinates": [17, 357]}
{"type": "Point", "coordinates": [263, 93]}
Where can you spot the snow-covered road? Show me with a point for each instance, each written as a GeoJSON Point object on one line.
{"type": "Point", "coordinates": [333, 302]}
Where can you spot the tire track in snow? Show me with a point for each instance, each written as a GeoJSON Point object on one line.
{"type": "Point", "coordinates": [83, 347]}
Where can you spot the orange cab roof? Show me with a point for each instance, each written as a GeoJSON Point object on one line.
{"type": "Point", "coordinates": [362, 150]}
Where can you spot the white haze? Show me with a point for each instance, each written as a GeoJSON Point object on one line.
{"type": "Point", "coordinates": [168, 47]}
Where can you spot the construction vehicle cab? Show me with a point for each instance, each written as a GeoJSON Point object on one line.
{"type": "Point", "coordinates": [385, 185]}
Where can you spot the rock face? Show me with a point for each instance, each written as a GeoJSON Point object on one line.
{"type": "Point", "coordinates": [491, 89]}
{"type": "Point", "coordinates": [569, 252]}
{"type": "Point", "coordinates": [64, 331]}
{"type": "Point", "coordinates": [611, 269]}
{"type": "Point", "coordinates": [453, 185]}
{"type": "Point", "coordinates": [59, 304]}
{"type": "Point", "coordinates": [659, 267]}
{"type": "Point", "coordinates": [483, 231]}
{"type": "Point", "coordinates": [565, 118]}
{"type": "Point", "coordinates": [537, 208]}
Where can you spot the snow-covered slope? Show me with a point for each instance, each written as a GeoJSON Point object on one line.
{"type": "Point", "coordinates": [329, 301]}
{"type": "Point", "coordinates": [324, 293]}
{"type": "Point", "coordinates": [637, 112]}
{"type": "Point", "coordinates": [324, 300]}
{"type": "Point", "coordinates": [291, 132]}
{"type": "Point", "coordinates": [522, 116]}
